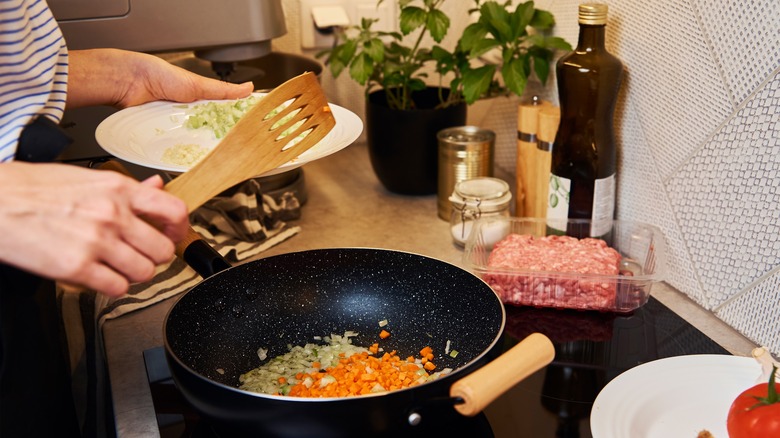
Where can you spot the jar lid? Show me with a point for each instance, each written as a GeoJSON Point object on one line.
{"type": "Point", "coordinates": [484, 192]}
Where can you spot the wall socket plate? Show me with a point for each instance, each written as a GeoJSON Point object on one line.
{"type": "Point", "coordinates": [311, 38]}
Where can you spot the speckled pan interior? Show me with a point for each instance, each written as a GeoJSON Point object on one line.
{"type": "Point", "coordinates": [289, 299]}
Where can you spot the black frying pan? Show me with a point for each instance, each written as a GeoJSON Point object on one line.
{"type": "Point", "coordinates": [213, 332]}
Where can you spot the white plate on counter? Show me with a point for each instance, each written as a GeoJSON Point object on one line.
{"type": "Point", "coordinates": [141, 134]}
{"type": "Point", "coordinates": [673, 397]}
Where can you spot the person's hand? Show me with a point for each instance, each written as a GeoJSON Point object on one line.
{"type": "Point", "coordinates": [88, 228]}
{"type": "Point", "coordinates": [122, 78]}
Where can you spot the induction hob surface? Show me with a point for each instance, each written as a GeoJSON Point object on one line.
{"type": "Point", "coordinates": [591, 349]}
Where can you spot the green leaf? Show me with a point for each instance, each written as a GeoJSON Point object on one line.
{"type": "Point", "coordinates": [515, 76]}
{"type": "Point", "coordinates": [417, 85]}
{"type": "Point", "coordinates": [361, 68]}
{"type": "Point", "coordinates": [455, 83]}
{"type": "Point", "coordinates": [375, 48]}
{"type": "Point", "coordinates": [476, 82]}
{"type": "Point", "coordinates": [397, 49]}
{"type": "Point", "coordinates": [345, 52]}
{"type": "Point", "coordinates": [557, 43]}
{"type": "Point", "coordinates": [521, 18]}
{"type": "Point", "coordinates": [496, 18]}
{"type": "Point", "coordinates": [483, 47]}
{"type": "Point", "coordinates": [472, 34]}
{"type": "Point", "coordinates": [507, 54]}
{"type": "Point", "coordinates": [541, 67]}
{"type": "Point", "coordinates": [772, 396]}
{"type": "Point", "coordinates": [366, 23]}
{"type": "Point", "coordinates": [336, 67]}
{"type": "Point", "coordinates": [542, 20]}
{"type": "Point", "coordinates": [411, 18]}
{"type": "Point", "coordinates": [441, 54]}
{"type": "Point", "coordinates": [438, 24]}
{"type": "Point", "coordinates": [445, 61]}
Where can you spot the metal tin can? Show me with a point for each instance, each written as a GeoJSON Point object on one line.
{"type": "Point", "coordinates": [465, 152]}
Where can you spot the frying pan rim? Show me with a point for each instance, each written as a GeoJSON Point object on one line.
{"type": "Point", "coordinates": [172, 355]}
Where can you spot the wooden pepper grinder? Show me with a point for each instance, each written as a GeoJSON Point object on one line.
{"type": "Point", "coordinates": [528, 166]}
{"type": "Point", "coordinates": [549, 117]}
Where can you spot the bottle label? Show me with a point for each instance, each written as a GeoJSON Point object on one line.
{"type": "Point", "coordinates": [558, 203]}
{"type": "Point", "coordinates": [603, 204]}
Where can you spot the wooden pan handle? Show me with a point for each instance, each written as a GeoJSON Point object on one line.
{"type": "Point", "coordinates": [486, 384]}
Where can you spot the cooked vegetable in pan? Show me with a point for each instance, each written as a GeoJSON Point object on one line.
{"type": "Point", "coordinates": [339, 369]}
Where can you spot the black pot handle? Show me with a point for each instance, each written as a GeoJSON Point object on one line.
{"type": "Point", "coordinates": [201, 257]}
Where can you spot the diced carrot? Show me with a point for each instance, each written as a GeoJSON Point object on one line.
{"type": "Point", "coordinates": [361, 373]}
{"type": "Point", "coordinates": [384, 334]}
{"type": "Point", "coordinates": [282, 380]}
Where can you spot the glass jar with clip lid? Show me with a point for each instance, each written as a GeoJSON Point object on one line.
{"type": "Point", "coordinates": [477, 198]}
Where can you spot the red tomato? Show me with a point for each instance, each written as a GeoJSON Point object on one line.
{"type": "Point", "coordinates": [755, 413]}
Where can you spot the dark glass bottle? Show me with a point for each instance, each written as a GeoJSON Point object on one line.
{"type": "Point", "coordinates": [582, 181]}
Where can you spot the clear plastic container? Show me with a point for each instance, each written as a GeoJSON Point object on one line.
{"type": "Point", "coordinates": [642, 250]}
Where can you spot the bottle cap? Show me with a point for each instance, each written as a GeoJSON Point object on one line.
{"type": "Point", "coordinates": [593, 14]}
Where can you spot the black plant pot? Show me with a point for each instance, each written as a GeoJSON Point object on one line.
{"type": "Point", "coordinates": [402, 145]}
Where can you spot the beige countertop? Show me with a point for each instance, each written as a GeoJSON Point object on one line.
{"type": "Point", "coordinates": [347, 207]}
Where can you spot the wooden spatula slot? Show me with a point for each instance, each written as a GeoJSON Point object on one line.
{"type": "Point", "coordinates": [255, 144]}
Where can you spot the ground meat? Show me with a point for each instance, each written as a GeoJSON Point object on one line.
{"type": "Point", "coordinates": [554, 254]}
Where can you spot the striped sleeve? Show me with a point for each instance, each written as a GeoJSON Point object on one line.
{"type": "Point", "coordinates": [33, 69]}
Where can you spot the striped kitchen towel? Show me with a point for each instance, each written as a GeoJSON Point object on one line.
{"type": "Point", "coordinates": [239, 224]}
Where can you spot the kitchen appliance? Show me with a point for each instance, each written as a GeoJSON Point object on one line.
{"type": "Point", "coordinates": [592, 348]}
{"type": "Point", "coordinates": [219, 33]}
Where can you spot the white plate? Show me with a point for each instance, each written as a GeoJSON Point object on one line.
{"type": "Point", "coordinates": [674, 397]}
{"type": "Point", "coordinates": [141, 134]}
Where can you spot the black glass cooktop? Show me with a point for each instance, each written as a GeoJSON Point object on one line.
{"type": "Point", "coordinates": [591, 349]}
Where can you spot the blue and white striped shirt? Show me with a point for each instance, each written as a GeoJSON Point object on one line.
{"type": "Point", "coordinates": [33, 69]}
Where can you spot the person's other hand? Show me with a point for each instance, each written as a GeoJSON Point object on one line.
{"type": "Point", "coordinates": [123, 78]}
{"type": "Point", "coordinates": [88, 228]}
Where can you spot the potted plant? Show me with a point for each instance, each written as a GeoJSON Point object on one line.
{"type": "Point", "coordinates": [413, 91]}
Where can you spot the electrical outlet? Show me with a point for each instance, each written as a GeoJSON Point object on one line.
{"type": "Point", "coordinates": [311, 38]}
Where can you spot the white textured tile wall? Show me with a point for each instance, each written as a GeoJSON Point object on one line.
{"type": "Point", "coordinates": [698, 124]}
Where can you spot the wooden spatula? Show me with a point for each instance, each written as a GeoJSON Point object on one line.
{"type": "Point", "coordinates": [253, 146]}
